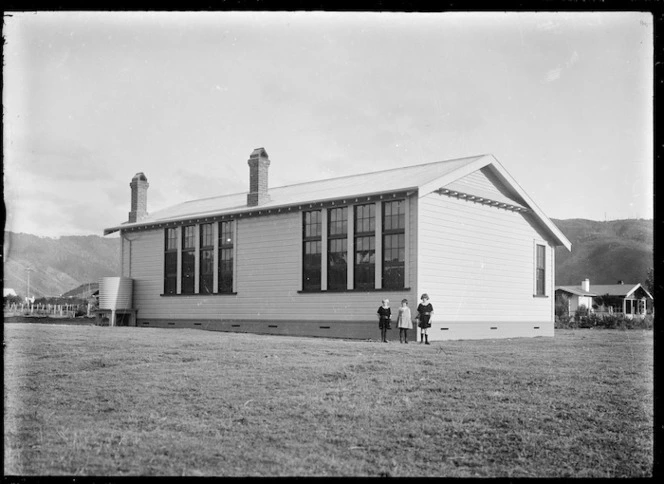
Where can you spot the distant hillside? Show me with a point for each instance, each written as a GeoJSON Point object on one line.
{"type": "Point", "coordinates": [605, 252]}
{"type": "Point", "coordinates": [83, 291]}
{"type": "Point", "coordinates": [58, 265]}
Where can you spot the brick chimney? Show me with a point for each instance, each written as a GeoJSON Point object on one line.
{"type": "Point", "coordinates": [258, 165]}
{"type": "Point", "coordinates": [585, 285]}
{"type": "Point", "coordinates": [139, 197]}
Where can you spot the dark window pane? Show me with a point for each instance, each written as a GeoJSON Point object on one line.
{"type": "Point", "coordinates": [206, 271]}
{"type": "Point", "coordinates": [226, 270]}
{"type": "Point", "coordinates": [311, 271]}
{"type": "Point", "coordinates": [311, 249]}
{"type": "Point", "coordinates": [170, 272]}
{"type": "Point", "coordinates": [365, 258]}
{"type": "Point", "coordinates": [337, 264]}
{"type": "Point", "coordinates": [188, 262]}
{"type": "Point", "coordinates": [540, 271]}
{"type": "Point", "coordinates": [394, 244]}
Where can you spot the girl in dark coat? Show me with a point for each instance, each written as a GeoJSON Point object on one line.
{"type": "Point", "coordinates": [424, 311]}
{"type": "Point", "coordinates": [384, 315]}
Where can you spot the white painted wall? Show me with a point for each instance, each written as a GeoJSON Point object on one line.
{"type": "Point", "coordinates": [477, 264]}
{"type": "Point", "coordinates": [267, 278]}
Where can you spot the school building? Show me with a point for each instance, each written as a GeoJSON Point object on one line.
{"type": "Point", "coordinates": [317, 258]}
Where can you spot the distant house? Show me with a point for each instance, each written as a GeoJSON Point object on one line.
{"type": "Point", "coordinates": [575, 296]}
{"type": "Point", "coordinates": [317, 258]}
{"type": "Point", "coordinates": [8, 291]}
{"type": "Point", "coordinates": [632, 300]}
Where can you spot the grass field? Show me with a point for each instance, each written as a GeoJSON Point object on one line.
{"type": "Point", "coordinates": [88, 400]}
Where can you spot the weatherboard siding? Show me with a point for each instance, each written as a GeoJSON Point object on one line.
{"type": "Point", "coordinates": [477, 264]}
{"type": "Point", "coordinates": [267, 280]}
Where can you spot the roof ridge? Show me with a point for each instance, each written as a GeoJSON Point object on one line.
{"type": "Point", "coordinates": [339, 177]}
{"type": "Point", "coordinates": [384, 171]}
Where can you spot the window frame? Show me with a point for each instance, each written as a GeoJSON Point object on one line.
{"type": "Point", "coordinates": [360, 239]}
{"type": "Point", "coordinates": [390, 232]}
{"type": "Point", "coordinates": [312, 236]}
{"type": "Point", "coordinates": [188, 264]}
{"type": "Point", "coordinates": [170, 253]}
{"type": "Point", "coordinates": [337, 279]}
{"type": "Point", "coordinates": [540, 285]}
{"type": "Point", "coordinates": [226, 247]}
{"type": "Point", "coordinates": [206, 258]}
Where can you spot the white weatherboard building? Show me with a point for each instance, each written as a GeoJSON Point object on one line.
{"type": "Point", "coordinates": [317, 258]}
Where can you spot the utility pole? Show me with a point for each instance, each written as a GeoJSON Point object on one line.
{"type": "Point", "coordinates": [29, 270]}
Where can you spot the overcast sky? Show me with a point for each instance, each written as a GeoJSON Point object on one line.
{"type": "Point", "coordinates": [562, 100]}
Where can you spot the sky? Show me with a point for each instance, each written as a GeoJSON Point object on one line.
{"type": "Point", "coordinates": [562, 100]}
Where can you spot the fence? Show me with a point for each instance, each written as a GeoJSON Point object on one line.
{"type": "Point", "coordinates": [47, 310]}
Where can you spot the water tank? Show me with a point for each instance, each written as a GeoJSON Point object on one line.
{"type": "Point", "coordinates": [115, 292]}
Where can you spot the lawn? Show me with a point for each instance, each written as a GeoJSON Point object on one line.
{"type": "Point", "coordinates": [89, 400]}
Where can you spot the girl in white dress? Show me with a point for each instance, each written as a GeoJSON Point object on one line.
{"type": "Point", "coordinates": [404, 321]}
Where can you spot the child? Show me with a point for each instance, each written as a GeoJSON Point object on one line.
{"type": "Point", "coordinates": [424, 310]}
{"type": "Point", "coordinates": [384, 315]}
{"type": "Point", "coordinates": [403, 322]}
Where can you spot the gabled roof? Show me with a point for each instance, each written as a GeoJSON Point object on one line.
{"type": "Point", "coordinates": [624, 290]}
{"type": "Point", "coordinates": [576, 290]}
{"type": "Point", "coordinates": [424, 179]}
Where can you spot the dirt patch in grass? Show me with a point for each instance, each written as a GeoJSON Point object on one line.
{"type": "Point", "coordinates": [88, 400]}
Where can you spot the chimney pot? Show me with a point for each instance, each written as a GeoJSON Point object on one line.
{"type": "Point", "coordinates": [585, 285]}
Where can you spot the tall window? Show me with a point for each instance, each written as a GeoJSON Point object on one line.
{"type": "Point", "coordinates": [394, 244]}
{"type": "Point", "coordinates": [171, 261]}
{"type": "Point", "coordinates": [311, 247]}
{"type": "Point", "coordinates": [206, 269]}
{"type": "Point", "coordinates": [188, 258]}
{"type": "Point", "coordinates": [365, 246]}
{"type": "Point", "coordinates": [540, 271]}
{"type": "Point", "coordinates": [337, 249]}
{"type": "Point", "coordinates": [226, 239]}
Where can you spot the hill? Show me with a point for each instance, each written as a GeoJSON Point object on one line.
{"type": "Point", "coordinates": [83, 291]}
{"type": "Point", "coordinates": [58, 265]}
{"type": "Point", "coordinates": [605, 252]}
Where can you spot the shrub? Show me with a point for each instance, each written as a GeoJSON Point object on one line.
{"type": "Point", "coordinates": [9, 300]}
{"type": "Point", "coordinates": [565, 322]}
{"type": "Point", "coordinates": [582, 318]}
{"type": "Point", "coordinates": [604, 321]}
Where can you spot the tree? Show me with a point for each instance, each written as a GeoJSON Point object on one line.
{"type": "Point", "coordinates": [562, 305]}
{"type": "Point", "coordinates": [11, 299]}
{"type": "Point", "coordinates": [650, 280]}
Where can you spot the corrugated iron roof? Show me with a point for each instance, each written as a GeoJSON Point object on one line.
{"type": "Point", "coordinates": [424, 178]}
{"type": "Point", "coordinates": [409, 177]}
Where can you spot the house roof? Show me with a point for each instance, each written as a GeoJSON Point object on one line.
{"type": "Point", "coordinates": [424, 179]}
{"type": "Point", "coordinates": [624, 290]}
{"type": "Point", "coordinates": [576, 290]}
